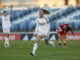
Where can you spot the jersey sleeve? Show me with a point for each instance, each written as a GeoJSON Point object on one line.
{"type": "Point", "coordinates": [59, 29]}
{"type": "Point", "coordinates": [48, 22]}
{"type": "Point", "coordinates": [0, 18]}
{"type": "Point", "coordinates": [36, 29]}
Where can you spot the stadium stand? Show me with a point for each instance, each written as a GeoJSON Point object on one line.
{"type": "Point", "coordinates": [24, 20]}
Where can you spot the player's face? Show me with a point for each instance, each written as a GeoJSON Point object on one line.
{"type": "Point", "coordinates": [41, 13]}
{"type": "Point", "coordinates": [5, 13]}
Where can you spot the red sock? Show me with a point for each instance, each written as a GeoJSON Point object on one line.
{"type": "Point", "coordinates": [59, 44]}
{"type": "Point", "coordinates": [64, 44]}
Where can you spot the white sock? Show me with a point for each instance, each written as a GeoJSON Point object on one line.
{"type": "Point", "coordinates": [51, 43]}
{"type": "Point", "coordinates": [35, 48]}
{"type": "Point", "coordinates": [6, 41]}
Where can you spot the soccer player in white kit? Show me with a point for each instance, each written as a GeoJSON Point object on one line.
{"type": "Point", "coordinates": [6, 24]}
{"type": "Point", "coordinates": [42, 30]}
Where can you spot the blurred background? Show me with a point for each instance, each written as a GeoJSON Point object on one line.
{"type": "Point", "coordinates": [25, 13]}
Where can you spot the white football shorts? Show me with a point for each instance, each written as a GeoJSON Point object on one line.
{"type": "Point", "coordinates": [45, 32]}
{"type": "Point", "coordinates": [6, 30]}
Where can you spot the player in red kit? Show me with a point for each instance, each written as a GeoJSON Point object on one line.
{"type": "Point", "coordinates": [62, 31]}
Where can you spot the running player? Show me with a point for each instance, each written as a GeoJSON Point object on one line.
{"type": "Point", "coordinates": [42, 30]}
{"type": "Point", "coordinates": [6, 24]}
{"type": "Point", "coordinates": [62, 31]}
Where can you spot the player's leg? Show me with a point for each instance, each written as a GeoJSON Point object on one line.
{"type": "Point", "coordinates": [59, 40]}
{"type": "Point", "coordinates": [6, 31]}
{"type": "Point", "coordinates": [64, 41]}
{"type": "Point", "coordinates": [7, 40]}
{"type": "Point", "coordinates": [46, 37]}
{"type": "Point", "coordinates": [46, 41]}
{"type": "Point", "coordinates": [49, 42]}
{"type": "Point", "coordinates": [38, 37]}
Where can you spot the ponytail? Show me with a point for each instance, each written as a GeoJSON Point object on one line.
{"type": "Point", "coordinates": [45, 11]}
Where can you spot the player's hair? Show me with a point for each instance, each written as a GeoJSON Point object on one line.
{"type": "Point", "coordinates": [4, 12]}
{"type": "Point", "coordinates": [45, 11]}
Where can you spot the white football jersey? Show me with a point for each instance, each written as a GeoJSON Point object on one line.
{"type": "Point", "coordinates": [42, 24]}
{"type": "Point", "coordinates": [6, 21]}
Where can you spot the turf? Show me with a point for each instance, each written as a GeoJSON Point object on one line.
{"type": "Point", "coordinates": [20, 50]}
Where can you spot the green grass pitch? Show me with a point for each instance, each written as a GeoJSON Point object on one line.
{"type": "Point", "coordinates": [20, 50]}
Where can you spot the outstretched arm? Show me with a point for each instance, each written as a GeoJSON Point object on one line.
{"type": "Point", "coordinates": [72, 31]}
{"type": "Point", "coordinates": [0, 14]}
{"type": "Point", "coordinates": [11, 9]}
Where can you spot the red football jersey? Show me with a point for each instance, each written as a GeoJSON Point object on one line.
{"type": "Point", "coordinates": [60, 29]}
